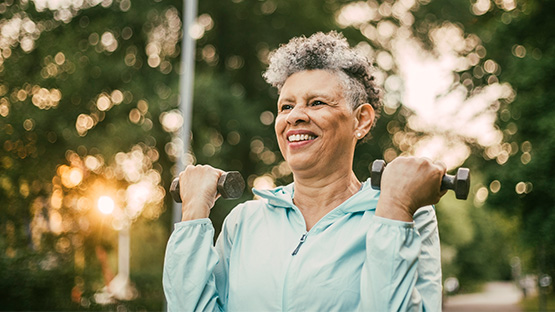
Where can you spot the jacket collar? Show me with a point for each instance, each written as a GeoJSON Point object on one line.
{"type": "Point", "coordinates": [363, 200]}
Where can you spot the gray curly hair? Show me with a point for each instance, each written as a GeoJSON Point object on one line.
{"type": "Point", "coordinates": [331, 52]}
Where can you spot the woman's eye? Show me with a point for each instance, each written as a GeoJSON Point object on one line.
{"type": "Point", "coordinates": [316, 103]}
{"type": "Point", "coordinates": [286, 107]}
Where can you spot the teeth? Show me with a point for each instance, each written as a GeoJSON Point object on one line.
{"type": "Point", "coordinates": [300, 137]}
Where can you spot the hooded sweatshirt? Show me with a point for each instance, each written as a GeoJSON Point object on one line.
{"type": "Point", "coordinates": [265, 260]}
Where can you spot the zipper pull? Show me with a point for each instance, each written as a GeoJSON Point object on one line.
{"type": "Point", "coordinates": [303, 238]}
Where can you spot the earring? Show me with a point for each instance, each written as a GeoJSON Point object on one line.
{"type": "Point", "coordinates": [358, 135]}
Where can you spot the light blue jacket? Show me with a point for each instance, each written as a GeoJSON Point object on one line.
{"type": "Point", "coordinates": [264, 260]}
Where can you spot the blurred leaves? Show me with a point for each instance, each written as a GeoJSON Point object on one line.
{"type": "Point", "coordinates": [88, 108]}
{"type": "Point", "coordinates": [81, 119]}
{"type": "Point", "coordinates": [518, 42]}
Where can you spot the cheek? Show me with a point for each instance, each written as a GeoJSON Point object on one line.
{"type": "Point", "coordinates": [279, 127]}
{"type": "Point", "coordinates": [340, 129]}
{"type": "Point", "coordinates": [342, 122]}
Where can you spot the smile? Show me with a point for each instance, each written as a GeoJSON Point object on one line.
{"type": "Point", "coordinates": [300, 137]}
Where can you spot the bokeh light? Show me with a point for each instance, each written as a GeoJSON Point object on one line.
{"type": "Point", "coordinates": [90, 126]}
{"type": "Point", "coordinates": [106, 204]}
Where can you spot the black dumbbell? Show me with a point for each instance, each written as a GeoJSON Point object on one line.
{"type": "Point", "coordinates": [460, 183]}
{"type": "Point", "coordinates": [230, 185]}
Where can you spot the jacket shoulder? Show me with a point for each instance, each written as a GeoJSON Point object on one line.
{"type": "Point", "coordinates": [247, 210]}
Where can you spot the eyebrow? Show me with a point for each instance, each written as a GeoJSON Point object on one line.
{"type": "Point", "coordinates": [329, 98]}
{"type": "Point", "coordinates": [311, 95]}
{"type": "Point", "coordinates": [285, 99]}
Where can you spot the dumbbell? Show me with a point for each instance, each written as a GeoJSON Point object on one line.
{"type": "Point", "coordinates": [230, 185]}
{"type": "Point", "coordinates": [460, 183]}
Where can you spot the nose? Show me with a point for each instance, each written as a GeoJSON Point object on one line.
{"type": "Point", "coordinates": [297, 115]}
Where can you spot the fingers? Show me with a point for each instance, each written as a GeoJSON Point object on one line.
{"type": "Point", "coordinates": [198, 190]}
{"type": "Point", "coordinates": [440, 164]}
{"type": "Point", "coordinates": [200, 171]}
{"type": "Point", "coordinates": [443, 168]}
{"type": "Point", "coordinates": [199, 178]}
{"type": "Point", "coordinates": [413, 181]}
{"type": "Point", "coordinates": [441, 171]}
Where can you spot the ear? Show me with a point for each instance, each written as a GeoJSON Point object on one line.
{"type": "Point", "coordinates": [364, 119]}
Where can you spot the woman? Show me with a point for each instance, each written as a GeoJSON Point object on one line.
{"type": "Point", "coordinates": [326, 241]}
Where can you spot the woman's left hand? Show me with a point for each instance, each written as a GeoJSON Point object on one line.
{"type": "Point", "coordinates": [407, 184]}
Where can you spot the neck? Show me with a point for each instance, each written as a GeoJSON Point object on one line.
{"type": "Point", "coordinates": [315, 196]}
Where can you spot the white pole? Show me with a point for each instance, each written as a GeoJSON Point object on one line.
{"type": "Point", "coordinates": [120, 286]}
{"type": "Point", "coordinates": [123, 252]}
{"type": "Point", "coordinates": [186, 86]}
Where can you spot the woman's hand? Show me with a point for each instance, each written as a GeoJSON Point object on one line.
{"type": "Point", "coordinates": [407, 184]}
{"type": "Point", "coordinates": [198, 190]}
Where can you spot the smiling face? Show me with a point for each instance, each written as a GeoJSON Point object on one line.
{"type": "Point", "coordinates": [315, 125]}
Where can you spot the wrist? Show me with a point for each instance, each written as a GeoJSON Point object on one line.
{"type": "Point", "coordinates": [189, 213]}
{"type": "Point", "coordinates": [392, 209]}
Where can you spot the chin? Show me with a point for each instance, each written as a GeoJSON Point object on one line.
{"type": "Point", "coordinates": [300, 163]}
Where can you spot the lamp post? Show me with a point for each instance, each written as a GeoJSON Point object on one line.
{"type": "Point", "coordinates": [120, 287]}
{"type": "Point", "coordinates": [186, 84]}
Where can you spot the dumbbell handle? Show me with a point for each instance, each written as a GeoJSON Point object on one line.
{"type": "Point", "coordinates": [230, 185]}
{"type": "Point", "coordinates": [449, 182]}
{"type": "Point", "coordinates": [460, 183]}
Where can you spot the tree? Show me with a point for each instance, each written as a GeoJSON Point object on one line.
{"type": "Point", "coordinates": [517, 47]}
{"type": "Point", "coordinates": [82, 101]}
{"type": "Point", "coordinates": [525, 186]}
{"type": "Point", "coordinates": [88, 106]}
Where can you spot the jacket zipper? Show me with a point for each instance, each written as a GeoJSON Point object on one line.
{"type": "Point", "coordinates": [303, 238]}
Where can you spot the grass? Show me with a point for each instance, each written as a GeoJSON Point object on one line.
{"type": "Point", "coordinates": [530, 304]}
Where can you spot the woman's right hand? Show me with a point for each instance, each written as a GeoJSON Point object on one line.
{"type": "Point", "coordinates": [198, 187]}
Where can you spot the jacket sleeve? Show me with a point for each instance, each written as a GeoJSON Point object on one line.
{"type": "Point", "coordinates": [428, 282]}
{"type": "Point", "coordinates": [195, 272]}
{"type": "Point", "coordinates": [402, 271]}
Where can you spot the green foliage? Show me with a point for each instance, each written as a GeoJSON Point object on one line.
{"type": "Point", "coordinates": [470, 238]}
{"type": "Point", "coordinates": [77, 101]}
{"type": "Point", "coordinates": [526, 179]}
{"type": "Point", "coordinates": [520, 41]}
{"type": "Point", "coordinates": [27, 282]}
{"type": "Point", "coordinates": [48, 251]}
{"type": "Point", "coordinates": [531, 114]}
{"type": "Point", "coordinates": [530, 304]}
{"type": "Point", "coordinates": [477, 265]}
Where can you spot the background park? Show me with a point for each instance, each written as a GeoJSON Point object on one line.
{"type": "Point", "coordinates": [91, 131]}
